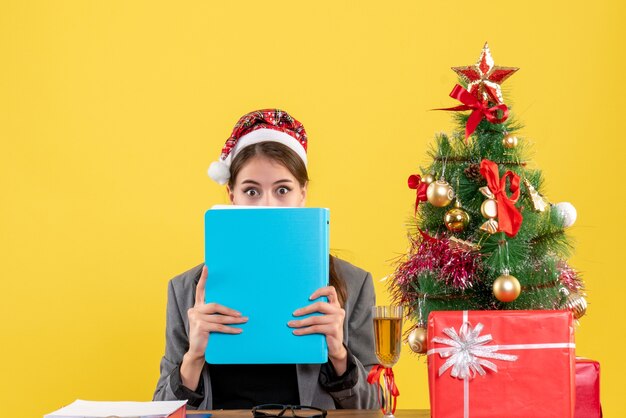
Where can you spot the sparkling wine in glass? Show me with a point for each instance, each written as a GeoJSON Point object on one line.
{"type": "Point", "coordinates": [388, 336]}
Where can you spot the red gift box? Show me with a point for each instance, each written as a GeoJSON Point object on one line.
{"type": "Point", "coordinates": [587, 389]}
{"type": "Point", "coordinates": [484, 364]}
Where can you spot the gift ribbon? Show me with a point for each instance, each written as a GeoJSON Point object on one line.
{"type": "Point", "coordinates": [479, 109]}
{"type": "Point", "coordinates": [509, 217]}
{"type": "Point", "coordinates": [465, 349]}
{"type": "Point", "coordinates": [467, 352]}
{"type": "Point", "coordinates": [390, 382]}
{"type": "Point", "coordinates": [415, 182]}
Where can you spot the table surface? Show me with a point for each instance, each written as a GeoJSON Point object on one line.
{"type": "Point", "coordinates": [336, 413]}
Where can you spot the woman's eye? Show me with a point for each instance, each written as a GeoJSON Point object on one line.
{"type": "Point", "coordinates": [283, 190]}
{"type": "Point", "coordinates": [251, 192]}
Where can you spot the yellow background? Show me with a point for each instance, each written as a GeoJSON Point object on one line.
{"type": "Point", "coordinates": [111, 111]}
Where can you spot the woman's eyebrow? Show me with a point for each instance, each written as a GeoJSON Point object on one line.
{"type": "Point", "coordinates": [251, 182]}
{"type": "Point", "coordinates": [283, 181]}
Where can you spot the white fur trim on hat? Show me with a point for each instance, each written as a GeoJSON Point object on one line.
{"type": "Point", "coordinates": [220, 170]}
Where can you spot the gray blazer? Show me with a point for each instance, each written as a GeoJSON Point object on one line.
{"type": "Point", "coordinates": [358, 334]}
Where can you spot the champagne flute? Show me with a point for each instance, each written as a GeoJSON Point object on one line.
{"type": "Point", "coordinates": [388, 336]}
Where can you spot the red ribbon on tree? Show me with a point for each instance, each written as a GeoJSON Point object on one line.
{"type": "Point", "coordinates": [479, 109]}
{"type": "Point", "coordinates": [509, 217]}
{"type": "Point", "coordinates": [415, 182]}
{"type": "Point", "coordinates": [374, 378]}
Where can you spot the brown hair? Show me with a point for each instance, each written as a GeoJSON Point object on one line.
{"type": "Point", "coordinates": [275, 151]}
{"type": "Point", "coordinates": [285, 156]}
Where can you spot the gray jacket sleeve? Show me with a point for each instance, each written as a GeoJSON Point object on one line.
{"type": "Point", "coordinates": [359, 337]}
{"type": "Point", "coordinates": [180, 297]}
{"type": "Point", "coordinates": [176, 345]}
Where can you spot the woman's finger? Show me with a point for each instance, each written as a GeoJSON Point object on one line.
{"type": "Point", "coordinates": [328, 291]}
{"type": "Point", "coordinates": [210, 327]}
{"type": "Point", "coordinates": [213, 308]}
{"type": "Point", "coordinates": [312, 320]}
{"type": "Point", "coordinates": [323, 307]}
{"type": "Point", "coordinates": [221, 319]}
{"type": "Point", "coordinates": [314, 329]}
{"type": "Point", "coordinates": [201, 285]}
{"type": "Point", "coordinates": [224, 329]}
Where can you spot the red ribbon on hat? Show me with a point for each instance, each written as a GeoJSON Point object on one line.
{"type": "Point", "coordinates": [479, 109]}
{"type": "Point", "coordinates": [415, 182]}
{"type": "Point", "coordinates": [374, 377]}
{"type": "Point", "coordinates": [509, 217]}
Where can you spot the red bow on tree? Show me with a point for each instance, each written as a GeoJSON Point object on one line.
{"type": "Point", "coordinates": [374, 377]}
{"type": "Point", "coordinates": [415, 182]}
{"type": "Point", "coordinates": [509, 217]}
{"type": "Point", "coordinates": [479, 109]}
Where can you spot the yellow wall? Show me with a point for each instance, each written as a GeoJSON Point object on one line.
{"type": "Point", "coordinates": [111, 111]}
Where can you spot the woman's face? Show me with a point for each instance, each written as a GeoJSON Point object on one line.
{"type": "Point", "coordinates": [264, 182]}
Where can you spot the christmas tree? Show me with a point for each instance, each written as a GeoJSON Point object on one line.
{"type": "Point", "coordinates": [484, 237]}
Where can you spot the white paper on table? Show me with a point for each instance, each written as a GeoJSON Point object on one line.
{"type": "Point", "coordinates": [98, 409]}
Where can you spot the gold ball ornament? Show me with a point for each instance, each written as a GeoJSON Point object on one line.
{"type": "Point", "coordinates": [456, 219]}
{"type": "Point", "coordinates": [428, 178]}
{"type": "Point", "coordinates": [577, 304]}
{"type": "Point", "coordinates": [439, 193]}
{"type": "Point", "coordinates": [509, 141]}
{"type": "Point", "coordinates": [506, 288]}
{"type": "Point", "coordinates": [417, 340]}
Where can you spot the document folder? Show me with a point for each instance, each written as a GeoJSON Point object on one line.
{"type": "Point", "coordinates": [266, 263]}
{"type": "Point", "coordinates": [100, 409]}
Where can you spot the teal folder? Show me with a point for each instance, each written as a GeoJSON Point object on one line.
{"type": "Point", "coordinates": [266, 263]}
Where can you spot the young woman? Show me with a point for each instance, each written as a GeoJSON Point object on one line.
{"type": "Point", "coordinates": [264, 163]}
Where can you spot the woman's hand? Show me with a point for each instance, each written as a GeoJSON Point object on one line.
{"type": "Point", "coordinates": [330, 324]}
{"type": "Point", "coordinates": [205, 318]}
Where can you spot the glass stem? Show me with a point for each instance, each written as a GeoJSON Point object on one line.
{"type": "Point", "coordinates": [387, 396]}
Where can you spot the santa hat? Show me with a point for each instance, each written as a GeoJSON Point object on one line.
{"type": "Point", "coordinates": [259, 126]}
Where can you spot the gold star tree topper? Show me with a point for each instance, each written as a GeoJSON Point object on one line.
{"type": "Point", "coordinates": [484, 78]}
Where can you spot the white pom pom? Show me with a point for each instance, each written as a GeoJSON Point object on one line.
{"type": "Point", "coordinates": [567, 212]}
{"type": "Point", "coordinates": [219, 172]}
